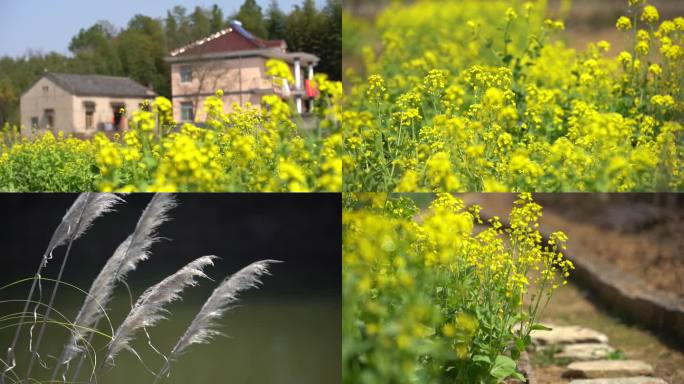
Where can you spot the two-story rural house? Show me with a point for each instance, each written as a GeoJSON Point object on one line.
{"type": "Point", "coordinates": [80, 105]}
{"type": "Point", "coordinates": [234, 61]}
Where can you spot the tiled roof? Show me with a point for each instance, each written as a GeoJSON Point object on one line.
{"type": "Point", "coordinates": [98, 85]}
{"type": "Point", "coordinates": [232, 39]}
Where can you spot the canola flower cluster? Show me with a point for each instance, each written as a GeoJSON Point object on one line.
{"type": "Point", "coordinates": [485, 96]}
{"type": "Point", "coordinates": [428, 297]}
{"type": "Point", "coordinates": [247, 149]}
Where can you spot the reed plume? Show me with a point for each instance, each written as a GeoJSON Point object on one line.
{"type": "Point", "coordinates": [149, 308]}
{"type": "Point", "coordinates": [124, 260]}
{"type": "Point", "coordinates": [80, 216]}
{"type": "Point", "coordinates": [203, 327]}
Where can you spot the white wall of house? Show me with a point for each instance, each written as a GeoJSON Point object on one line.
{"type": "Point", "coordinates": [103, 112]}
{"type": "Point", "coordinates": [198, 104]}
{"type": "Point", "coordinates": [45, 95]}
{"type": "Point", "coordinates": [231, 75]}
{"type": "Point", "coordinates": [242, 81]}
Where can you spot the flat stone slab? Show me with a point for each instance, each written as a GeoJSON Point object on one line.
{"type": "Point", "coordinates": [621, 380]}
{"type": "Point", "coordinates": [569, 334]}
{"type": "Point", "coordinates": [585, 351]}
{"type": "Point", "coordinates": [607, 369]}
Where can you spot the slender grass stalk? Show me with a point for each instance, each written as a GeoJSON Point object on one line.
{"type": "Point", "coordinates": [203, 328]}
{"type": "Point", "coordinates": [57, 238]}
{"type": "Point", "coordinates": [34, 349]}
{"type": "Point", "coordinates": [97, 297]}
{"type": "Point", "coordinates": [66, 229]}
{"type": "Point", "coordinates": [149, 308]}
{"type": "Point", "coordinates": [65, 323]}
{"type": "Point", "coordinates": [94, 205]}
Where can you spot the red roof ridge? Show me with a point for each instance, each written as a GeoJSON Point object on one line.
{"type": "Point", "coordinates": [199, 42]}
{"type": "Point", "coordinates": [233, 38]}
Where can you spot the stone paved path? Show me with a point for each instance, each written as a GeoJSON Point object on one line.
{"type": "Point", "coordinates": [591, 359]}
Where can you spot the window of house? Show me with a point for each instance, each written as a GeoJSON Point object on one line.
{"type": "Point", "coordinates": [49, 118]}
{"type": "Point", "coordinates": [89, 119]}
{"type": "Point", "coordinates": [187, 113]}
{"type": "Point", "coordinates": [89, 113]}
{"type": "Point", "coordinates": [45, 90]}
{"type": "Point", "coordinates": [34, 122]}
{"type": "Point", "coordinates": [186, 74]}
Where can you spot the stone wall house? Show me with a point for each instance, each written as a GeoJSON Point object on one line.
{"type": "Point", "coordinates": [234, 61]}
{"type": "Point", "coordinates": [81, 105]}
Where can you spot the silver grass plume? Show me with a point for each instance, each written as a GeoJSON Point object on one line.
{"type": "Point", "coordinates": [94, 304]}
{"type": "Point", "coordinates": [203, 327]}
{"type": "Point", "coordinates": [78, 218]}
{"type": "Point", "coordinates": [124, 260]}
{"type": "Point", "coordinates": [145, 233]}
{"type": "Point", "coordinates": [149, 308]}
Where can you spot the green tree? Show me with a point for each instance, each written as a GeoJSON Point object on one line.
{"type": "Point", "coordinates": [141, 48]}
{"type": "Point", "coordinates": [171, 31]}
{"type": "Point", "coordinates": [330, 31]}
{"type": "Point", "coordinates": [201, 27]}
{"type": "Point", "coordinates": [319, 32]}
{"type": "Point", "coordinates": [93, 50]}
{"type": "Point", "coordinates": [8, 101]}
{"type": "Point", "coordinates": [178, 27]}
{"type": "Point", "coordinates": [275, 21]}
{"type": "Point", "coordinates": [217, 21]}
{"type": "Point", "coordinates": [301, 31]}
{"type": "Point", "coordinates": [251, 18]}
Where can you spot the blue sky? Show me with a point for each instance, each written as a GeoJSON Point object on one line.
{"type": "Point", "coordinates": [49, 25]}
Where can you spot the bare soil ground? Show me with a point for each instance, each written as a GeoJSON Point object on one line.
{"type": "Point", "coordinates": [640, 235]}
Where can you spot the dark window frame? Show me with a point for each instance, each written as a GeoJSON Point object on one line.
{"type": "Point", "coordinates": [50, 118]}
{"type": "Point", "coordinates": [184, 108]}
{"type": "Point", "coordinates": [185, 74]}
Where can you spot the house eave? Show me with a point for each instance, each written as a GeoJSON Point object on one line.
{"type": "Point", "coordinates": [129, 96]}
{"type": "Point", "coordinates": [289, 57]}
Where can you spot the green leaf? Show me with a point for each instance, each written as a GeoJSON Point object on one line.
{"type": "Point", "coordinates": [515, 353]}
{"type": "Point", "coordinates": [539, 327]}
{"type": "Point", "coordinates": [520, 344]}
{"type": "Point", "coordinates": [517, 375]}
{"type": "Point", "coordinates": [482, 358]}
{"type": "Point", "coordinates": [503, 367]}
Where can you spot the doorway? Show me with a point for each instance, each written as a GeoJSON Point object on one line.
{"type": "Point", "coordinates": [118, 120]}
